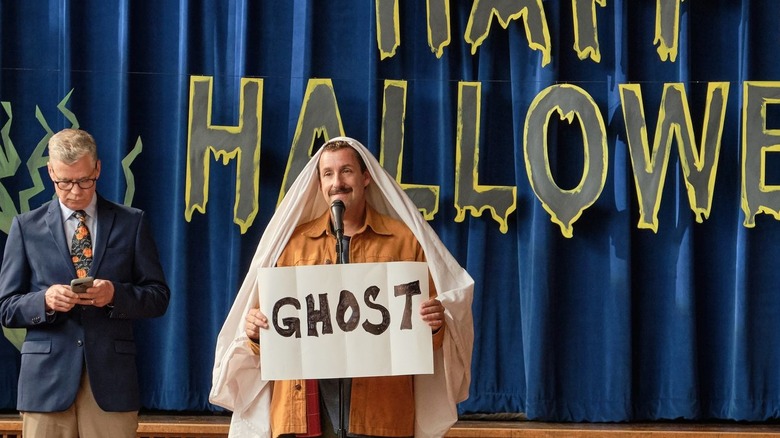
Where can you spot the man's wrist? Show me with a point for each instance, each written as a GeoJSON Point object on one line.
{"type": "Point", "coordinates": [254, 346]}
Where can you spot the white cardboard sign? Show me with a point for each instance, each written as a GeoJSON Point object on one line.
{"type": "Point", "coordinates": [352, 320]}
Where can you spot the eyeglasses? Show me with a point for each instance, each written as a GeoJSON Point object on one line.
{"type": "Point", "coordinates": [67, 184]}
{"type": "Point", "coordinates": [85, 183]}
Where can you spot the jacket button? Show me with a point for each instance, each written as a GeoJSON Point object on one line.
{"type": "Point", "coordinates": [79, 342]}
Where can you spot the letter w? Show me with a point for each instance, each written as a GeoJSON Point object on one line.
{"type": "Point", "coordinates": [674, 123]}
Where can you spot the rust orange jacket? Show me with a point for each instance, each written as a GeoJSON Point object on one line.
{"type": "Point", "coordinates": [382, 406]}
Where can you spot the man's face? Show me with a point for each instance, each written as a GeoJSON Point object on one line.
{"type": "Point", "coordinates": [341, 178]}
{"type": "Point", "coordinates": [81, 173]}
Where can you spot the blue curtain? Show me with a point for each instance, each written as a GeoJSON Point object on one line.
{"type": "Point", "coordinates": [615, 323]}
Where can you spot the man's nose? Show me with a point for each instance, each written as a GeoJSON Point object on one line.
{"type": "Point", "coordinates": [76, 188]}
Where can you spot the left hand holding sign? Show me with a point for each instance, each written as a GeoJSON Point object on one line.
{"type": "Point", "coordinates": [255, 320]}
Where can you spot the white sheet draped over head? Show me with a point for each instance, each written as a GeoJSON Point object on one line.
{"type": "Point", "coordinates": [236, 383]}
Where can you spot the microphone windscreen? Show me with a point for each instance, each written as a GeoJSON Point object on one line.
{"type": "Point", "coordinates": [337, 214]}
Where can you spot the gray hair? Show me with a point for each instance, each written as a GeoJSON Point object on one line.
{"type": "Point", "coordinates": [70, 145]}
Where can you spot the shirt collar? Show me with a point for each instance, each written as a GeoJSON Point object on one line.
{"type": "Point", "coordinates": [322, 226]}
{"type": "Point", "coordinates": [91, 209]}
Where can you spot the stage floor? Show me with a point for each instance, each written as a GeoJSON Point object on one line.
{"type": "Point", "coordinates": [216, 426]}
{"type": "Point", "coordinates": [528, 429]}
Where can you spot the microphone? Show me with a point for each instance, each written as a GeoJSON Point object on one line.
{"type": "Point", "coordinates": [337, 215]}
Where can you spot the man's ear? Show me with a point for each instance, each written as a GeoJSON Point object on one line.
{"type": "Point", "coordinates": [366, 178]}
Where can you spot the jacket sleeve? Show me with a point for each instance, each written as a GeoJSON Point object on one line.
{"type": "Point", "coordinates": [20, 307]}
{"type": "Point", "coordinates": [147, 294]}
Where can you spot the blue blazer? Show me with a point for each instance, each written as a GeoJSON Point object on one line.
{"type": "Point", "coordinates": [57, 347]}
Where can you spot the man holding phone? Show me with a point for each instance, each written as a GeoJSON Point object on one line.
{"type": "Point", "coordinates": [75, 273]}
{"type": "Point", "coordinates": [80, 285]}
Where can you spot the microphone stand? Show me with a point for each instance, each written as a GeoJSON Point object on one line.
{"type": "Point", "coordinates": [340, 259]}
{"type": "Point", "coordinates": [337, 215]}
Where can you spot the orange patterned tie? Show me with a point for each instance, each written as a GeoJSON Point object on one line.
{"type": "Point", "coordinates": [81, 246]}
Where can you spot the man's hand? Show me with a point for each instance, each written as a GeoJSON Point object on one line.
{"type": "Point", "coordinates": [255, 320]}
{"type": "Point", "coordinates": [432, 312]}
{"type": "Point", "coordinates": [60, 298]}
{"type": "Point", "coordinates": [100, 294]}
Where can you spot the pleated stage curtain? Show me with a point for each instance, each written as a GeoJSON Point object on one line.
{"type": "Point", "coordinates": [634, 315]}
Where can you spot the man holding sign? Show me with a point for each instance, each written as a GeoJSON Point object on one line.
{"type": "Point", "coordinates": [384, 406]}
{"type": "Point", "coordinates": [380, 224]}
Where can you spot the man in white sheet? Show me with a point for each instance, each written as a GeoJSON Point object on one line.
{"type": "Point", "coordinates": [377, 209]}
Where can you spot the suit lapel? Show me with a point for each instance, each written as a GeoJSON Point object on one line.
{"type": "Point", "coordinates": [54, 222]}
{"type": "Point", "coordinates": [105, 222]}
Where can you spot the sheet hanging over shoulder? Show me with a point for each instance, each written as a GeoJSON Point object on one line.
{"type": "Point", "coordinates": [236, 383]}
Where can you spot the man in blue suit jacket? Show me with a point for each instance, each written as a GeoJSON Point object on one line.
{"type": "Point", "coordinates": [78, 374]}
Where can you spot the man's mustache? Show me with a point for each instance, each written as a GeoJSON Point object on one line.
{"type": "Point", "coordinates": [339, 191]}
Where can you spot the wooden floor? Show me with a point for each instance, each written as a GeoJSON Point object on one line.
{"type": "Point", "coordinates": [528, 429]}
{"type": "Point", "coordinates": [216, 426]}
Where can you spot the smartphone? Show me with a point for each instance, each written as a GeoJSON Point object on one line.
{"type": "Point", "coordinates": [80, 285]}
